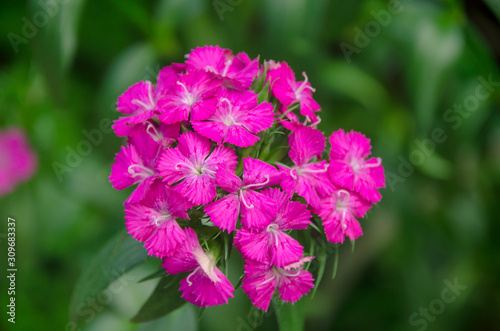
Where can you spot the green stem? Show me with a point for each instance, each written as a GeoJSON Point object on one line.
{"type": "Point", "coordinates": [290, 317]}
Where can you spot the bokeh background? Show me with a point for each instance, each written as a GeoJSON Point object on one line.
{"type": "Point", "coordinates": [396, 71]}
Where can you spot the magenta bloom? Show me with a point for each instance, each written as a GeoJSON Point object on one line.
{"type": "Point", "coordinates": [17, 160]}
{"type": "Point", "coordinates": [339, 212]}
{"type": "Point", "coordinates": [307, 179]}
{"type": "Point", "coordinates": [288, 91]}
{"type": "Point", "coordinates": [141, 101]}
{"type": "Point", "coordinates": [237, 71]}
{"type": "Point", "coordinates": [349, 167]}
{"type": "Point", "coordinates": [192, 94]}
{"type": "Point", "coordinates": [271, 244]}
{"type": "Point", "coordinates": [152, 221]}
{"type": "Point", "coordinates": [192, 165]}
{"type": "Point", "coordinates": [261, 281]}
{"type": "Point", "coordinates": [206, 285]}
{"type": "Point", "coordinates": [256, 208]}
{"type": "Point", "coordinates": [237, 120]}
{"type": "Point", "coordinates": [136, 164]}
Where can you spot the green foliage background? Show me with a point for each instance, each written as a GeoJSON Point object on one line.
{"type": "Point", "coordinates": [439, 222]}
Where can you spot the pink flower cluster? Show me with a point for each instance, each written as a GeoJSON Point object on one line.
{"type": "Point", "coordinates": [17, 160]}
{"type": "Point", "coordinates": [194, 141]}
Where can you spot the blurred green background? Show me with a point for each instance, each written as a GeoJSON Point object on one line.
{"type": "Point", "coordinates": [405, 73]}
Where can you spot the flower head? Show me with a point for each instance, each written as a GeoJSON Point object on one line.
{"type": "Point", "coordinates": [192, 96]}
{"type": "Point", "coordinates": [192, 166]}
{"type": "Point", "coordinates": [206, 285]}
{"type": "Point", "coordinates": [349, 167]}
{"type": "Point", "coordinates": [237, 120]}
{"type": "Point", "coordinates": [152, 220]}
{"type": "Point", "coordinates": [136, 164]}
{"type": "Point", "coordinates": [272, 244]}
{"type": "Point", "coordinates": [261, 281]}
{"type": "Point", "coordinates": [256, 208]}
{"type": "Point", "coordinates": [339, 212]}
{"type": "Point", "coordinates": [237, 71]}
{"type": "Point", "coordinates": [308, 179]}
{"type": "Point", "coordinates": [17, 160]}
{"type": "Point", "coordinates": [288, 91]}
{"type": "Point", "coordinates": [141, 101]}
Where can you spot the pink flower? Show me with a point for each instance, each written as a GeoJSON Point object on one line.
{"type": "Point", "coordinates": [261, 281]}
{"type": "Point", "coordinates": [237, 120]}
{"type": "Point", "coordinates": [192, 165]}
{"type": "Point", "coordinates": [192, 94]}
{"type": "Point", "coordinates": [17, 160]}
{"type": "Point", "coordinates": [141, 101]}
{"type": "Point", "coordinates": [307, 179]}
{"type": "Point", "coordinates": [152, 221]}
{"type": "Point", "coordinates": [339, 211]}
{"type": "Point", "coordinates": [271, 244]}
{"type": "Point", "coordinates": [237, 71]}
{"type": "Point", "coordinates": [206, 285]}
{"type": "Point", "coordinates": [136, 164]}
{"type": "Point", "coordinates": [288, 91]}
{"type": "Point", "coordinates": [256, 208]}
{"type": "Point", "coordinates": [349, 167]}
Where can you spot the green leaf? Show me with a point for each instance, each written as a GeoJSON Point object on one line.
{"type": "Point", "coordinates": [335, 262]}
{"type": "Point", "coordinates": [119, 255]}
{"type": "Point", "coordinates": [321, 257]}
{"type": "Point", "coordinates": [290, 317]}
{"type": "Point", "coordinates": [164, 299]}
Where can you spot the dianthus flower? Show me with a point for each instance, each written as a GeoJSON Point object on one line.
{"type": "Point", "coordinates": [308, 179]}
{"type": "Point", "coordinates": [152, 220]}
{"type": "Point", "coordinates": [272, 244]}
{"type": "Point", "coordinates": [17, 160]}
{"type": "Point", "coordinates": [136, 164]}
{"type": "Point", "coordinates": [237, 120]}
{"type": "Point", "coordinates": [288, 91]}
{"type": "Point", "coordinates": [339, 212]}
{"type": "Point", "coordinates": [141, 101]}
{"type": "Point", "coordinates": [256, 209]}
{"type": "Point", "coordinates": [193, 96]}
{"type": "Point", "coordinates": [237, 71]}
{"type": "Point", "coordinates": [262, 279]}
{"type": "Point", "coordinates": [349, 167]}
{"type": "Point", "coordinates": [192, 166]}
{"type": "Point", "coordinates": [206, 285]}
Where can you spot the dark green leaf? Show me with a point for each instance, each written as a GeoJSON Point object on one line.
{"type": "Point", "coordinates": [164, 299]}
{"type": "Point", "coordinates": [119, 255]}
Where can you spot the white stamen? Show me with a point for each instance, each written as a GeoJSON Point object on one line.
{"type": "Point", "coordinates": [190, 275]}
{"type": "Point", "coordinates": [143, 172]}
{"type": "Point", "coordinates": [303, 86]}
{"type": "Point", "coordinates": [257, 184]}
{"type": "Point", "coordinates": [155, 135]}
{"type": "Point", "coordinates": [372, 165]}
{"type": "Point", "coordinates": [242, 196]}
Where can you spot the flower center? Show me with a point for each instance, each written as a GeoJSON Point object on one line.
{"type": "Point", "coordinates": [188, 98]}
{"type": "Point", "coordinates": [206, 263]}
